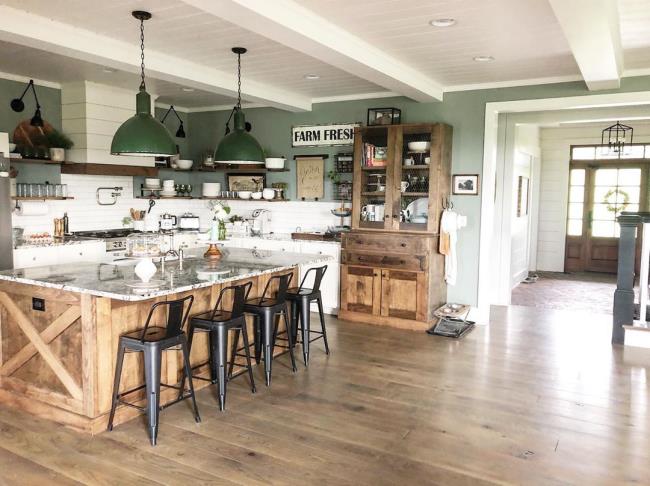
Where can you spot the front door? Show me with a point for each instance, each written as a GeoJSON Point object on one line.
{"type": "Point", "coordinates": [597, 196]}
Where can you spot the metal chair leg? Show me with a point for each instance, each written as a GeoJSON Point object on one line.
{"type": "Point", "coordinates": [304, 318]}
{"type": "Point", "coordinates": [214, 368]}
{"type": "Point", "coordinates": [290, 343]}
{"type": "Point", "coordinates": [220, 352]}
{"type": "Point", "coordinates": [186, 373]}
{"type": "Point", "coordinates": [185, 349]}
{"type": "Point", "coordinates": [152, 361]}
{"type": "Point", "coordinates": [322, 324]}
{"type": "Point", "coordinates": [233, 352]}
{"type": "Point", "coordinates": [116, 384]}
{"type": "Point", "coordinates": [257, 338]}
{"type": "Point", "coordinates": [244, 333]}
{"type": "Point", "coordinates": [295, 315]}
{"type": "Point", "coordinates": [267, 336]}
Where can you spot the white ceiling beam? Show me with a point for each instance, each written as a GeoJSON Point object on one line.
{"type": "Point", "coordinates": [38, 32]}
{"type": "Point", "coordinates": [593, 32]}
{"type": "Point", "coordinates": [291, 24]}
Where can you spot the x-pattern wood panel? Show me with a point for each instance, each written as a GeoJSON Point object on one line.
{"type": "Point", "coordinates": [39, 343]}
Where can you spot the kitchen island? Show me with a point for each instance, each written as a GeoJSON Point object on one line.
{"type": "Point", "coordinates": [60, 325]}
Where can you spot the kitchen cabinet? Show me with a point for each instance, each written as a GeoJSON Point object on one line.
{"type": "Point", "coordinates": [397, 189]}
{"type": "Point", "coordinates": [92, 251]}
{"type": "Point", "coordinates": [394, 280]}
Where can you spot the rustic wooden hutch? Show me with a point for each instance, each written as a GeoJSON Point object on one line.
{"type": "Point", "coordinates": [391, 270]}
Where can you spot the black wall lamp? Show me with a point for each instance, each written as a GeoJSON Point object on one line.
{"type": "Point", "coordinates": [180, 133]}
{"type": "Point", "coordinates": [18, 106]}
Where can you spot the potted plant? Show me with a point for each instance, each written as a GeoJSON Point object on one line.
{"type": "Point", "coordinates": [58, 142]}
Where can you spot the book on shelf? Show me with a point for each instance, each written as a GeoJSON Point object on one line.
{"type": "Point", "coordinates": [374, 156]}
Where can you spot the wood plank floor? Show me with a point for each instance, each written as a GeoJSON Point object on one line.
{"type": "Point", "coordinates": [536, 397]}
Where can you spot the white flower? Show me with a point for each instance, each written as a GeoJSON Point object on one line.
{"type": "Point", "coordinates": [219, 209]}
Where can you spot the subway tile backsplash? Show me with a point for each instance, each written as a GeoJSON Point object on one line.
{"type": "Point", "coordinates": [86, 214]}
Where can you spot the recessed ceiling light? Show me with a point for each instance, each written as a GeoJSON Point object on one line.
{"type": "Point", "coordinates": [483, 58]}
{"type": "Point", "coordinates": [312, 76]}
{"type": "Point", "coordinates": [442, 22]}
{"type": "Point", "coordinates": [187, 90]}
{"type": "Point", "coordinates": [109, 70]}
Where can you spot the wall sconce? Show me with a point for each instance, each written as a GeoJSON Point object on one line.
{"type": "Point", "coordinates": [18, 106]}
{"type": "Point", "coordinates": [180, 133]}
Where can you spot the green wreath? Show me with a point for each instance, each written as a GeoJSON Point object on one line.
{"type": "Point", "coordinates": [613, 206]}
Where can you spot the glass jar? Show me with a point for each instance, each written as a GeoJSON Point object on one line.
{"type": "Point", "coordinates": [144, 245]}
{"type": "Point", "coordinates": [222, 230]}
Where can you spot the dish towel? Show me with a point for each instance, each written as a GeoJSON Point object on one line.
{"type": "Point", "coordinates": [450, 223]}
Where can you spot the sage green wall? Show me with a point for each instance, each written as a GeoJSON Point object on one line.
{"type": "Point", "coordinates": [465, 111]}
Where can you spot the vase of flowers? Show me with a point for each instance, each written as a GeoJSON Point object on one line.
{"type": "Point", "coordinates": [217, 232]}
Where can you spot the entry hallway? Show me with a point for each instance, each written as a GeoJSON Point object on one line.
{"type": "Point", "coordinates": [536, 397]}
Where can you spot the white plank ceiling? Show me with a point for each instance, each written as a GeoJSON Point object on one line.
{"type": "Point", "coordinates": [524, 36]}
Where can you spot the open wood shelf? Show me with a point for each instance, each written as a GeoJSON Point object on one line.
{"type": "Point", "coordinates": [382, 168]}
{"type": "Point", "coordinates": [415, 194]}
{"type": "Point", "coordinates": [44, 198]}
{"type": "Point", "coordinates": [35, 161]}
{"type": "Point", "coordinates": [211, 198]}
{"type": "Point", "coordinates": [415, 167]}
{"type": "Point", "coordinates": [239, 170]}
{"type": "Point", "coordinates": [374, 194]}
{"type": "Point", "coordinates": [108, 169]}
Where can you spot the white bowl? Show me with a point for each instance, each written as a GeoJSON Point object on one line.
{"type": "Point", "coordinates": [244, 194]}
{"type": "Point", "coordinates": [256, 195]}
{"type": "Point", "coordinates": [268, 194]}
{"type": "Point", "coordinates": [417, 146]}
{"type": "Point", "coordinates": [184, 164]}
{"type": "Point", "coordinates": [12, 147]}
{"type": "Point", "coordinates": [274, 162]}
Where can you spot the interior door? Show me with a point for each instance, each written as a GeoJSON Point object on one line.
{"type": "Point", "coordinates": [597, 196]}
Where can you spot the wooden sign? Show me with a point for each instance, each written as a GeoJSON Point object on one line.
{"type": "Point", "coordinates": [310, 173]}
{"type": "Point", "coordinates": [323, 135]}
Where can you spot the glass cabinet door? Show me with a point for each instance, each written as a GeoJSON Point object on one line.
{"type": "Point", "coordinates": [413, 179]}
{"type": "Point", "coordinates": [376, 168]}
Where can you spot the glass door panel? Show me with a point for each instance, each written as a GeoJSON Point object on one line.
{"type": "Point", "coordinates": [414, 180]}
{"type": "Point", "coordinates": [374, 176]}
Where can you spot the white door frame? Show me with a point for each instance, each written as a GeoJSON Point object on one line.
{"type": "Point", "coordinates": [494, 162]}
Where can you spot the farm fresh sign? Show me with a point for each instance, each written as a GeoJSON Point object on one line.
{"type": "Point", "coordinates": [322, 135]}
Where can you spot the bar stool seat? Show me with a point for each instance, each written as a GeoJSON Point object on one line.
{"type": "Point", "coordinates": [151, 341]}
{"type": "Point", "coordinates": [301, 298]}
{"type": "Point", "coordinates": [218, 323]}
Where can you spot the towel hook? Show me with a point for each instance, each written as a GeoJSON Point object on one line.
{"type": "Point", "coordinates": [446, 203]}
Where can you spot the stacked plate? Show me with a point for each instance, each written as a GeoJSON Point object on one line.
{"type": "Point", "coordinates": [152, 184]}
{"type": "Point", "coordinates": [211, 189]}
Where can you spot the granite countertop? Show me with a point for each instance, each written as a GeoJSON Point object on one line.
{"type": "Point", "coordinates": [55, 242]}
{"type": "Point", "coordinates": [107, 280]}
{"type": "Point", "coordinates": [284, 237]}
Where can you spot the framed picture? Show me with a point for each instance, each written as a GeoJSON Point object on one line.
{"type": "Point", "coordinates": [254, 182]}
{"type": "Point", "coordinates": [465, 184]}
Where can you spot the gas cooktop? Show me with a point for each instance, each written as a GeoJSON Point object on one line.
{"type": "Point", "coordinates": [105, 234]}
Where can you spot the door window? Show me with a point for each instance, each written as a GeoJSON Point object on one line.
{"type": "Point", "coordinates": [576, 202]}
{"type": "Point", "coordinates": [615, 190]}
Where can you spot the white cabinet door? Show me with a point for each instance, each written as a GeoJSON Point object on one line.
{"type": "Point", "coordinates": [35, 257]}
{"type": "Point", "coordinates": [278, 245]}
{"type": "Point", "coordinates": [83, 252]}
{"type": "Point", "coordinates": [330, 283]}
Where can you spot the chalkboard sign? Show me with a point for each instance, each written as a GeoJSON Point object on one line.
{"type": "Point", "coordinates": [310, 173]}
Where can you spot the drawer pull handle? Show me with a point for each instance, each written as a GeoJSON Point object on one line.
{"type": "Point", "coordinates": [403, 245]}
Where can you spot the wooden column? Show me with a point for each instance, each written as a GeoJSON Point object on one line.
{"type": "Point", "coordinates": [624, 294]}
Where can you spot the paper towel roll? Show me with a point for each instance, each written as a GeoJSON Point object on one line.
{"type": "Point", "coordinates": [32, 208]}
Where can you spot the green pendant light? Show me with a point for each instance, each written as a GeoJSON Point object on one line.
{"type": "Point", "coordinates": [238, 146]}
{"type": "Point", "coordinates": [142, 134]}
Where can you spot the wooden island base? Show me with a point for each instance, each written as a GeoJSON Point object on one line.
{"type": "Point", "coordinates": [59, 363]}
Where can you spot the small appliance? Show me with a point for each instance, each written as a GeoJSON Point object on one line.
{"type": "Point", "coordinates": [167, 222]}
{"type": "Point", "coordinates": [189, 222]}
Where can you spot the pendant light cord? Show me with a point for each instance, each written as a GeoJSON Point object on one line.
{"type": "Point", "coordinates": [142, 85]}
{"type": "Point", "coordinates": [239, 80]}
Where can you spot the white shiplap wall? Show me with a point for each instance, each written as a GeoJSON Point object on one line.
{"type": "Point", "coordinates": [86, 214]}
{"type": "Point", "coordinates": [555, 144]}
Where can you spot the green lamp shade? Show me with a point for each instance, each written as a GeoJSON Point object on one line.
{"type": "Point", "coordinates": [142, 134]}
{"type": "Point", "coordinates": [239, 147]}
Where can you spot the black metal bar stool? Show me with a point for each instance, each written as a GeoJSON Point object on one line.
{"type": "Point", "coordinates": [218, 322]}
{"type": "Point", "coordinates": [301, 298]}
{"type": "Point", "coordinates": [267, 312]}
{"type": "Point", "coordinates": [152, 341]}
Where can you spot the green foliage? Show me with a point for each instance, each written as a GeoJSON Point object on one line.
{"type": "Point", "coordinates": [56, 139]}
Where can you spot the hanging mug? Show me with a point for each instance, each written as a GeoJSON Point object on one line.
{"type": "Point", "coordinates": [404, 185]}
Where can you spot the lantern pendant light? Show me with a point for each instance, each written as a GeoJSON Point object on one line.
{"type": "Point", "coordinates": [142, 134]}
{"type": "Point", "coordinates": [616, 138]}
{"type": "Point", "coordinates": [238, 146]}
